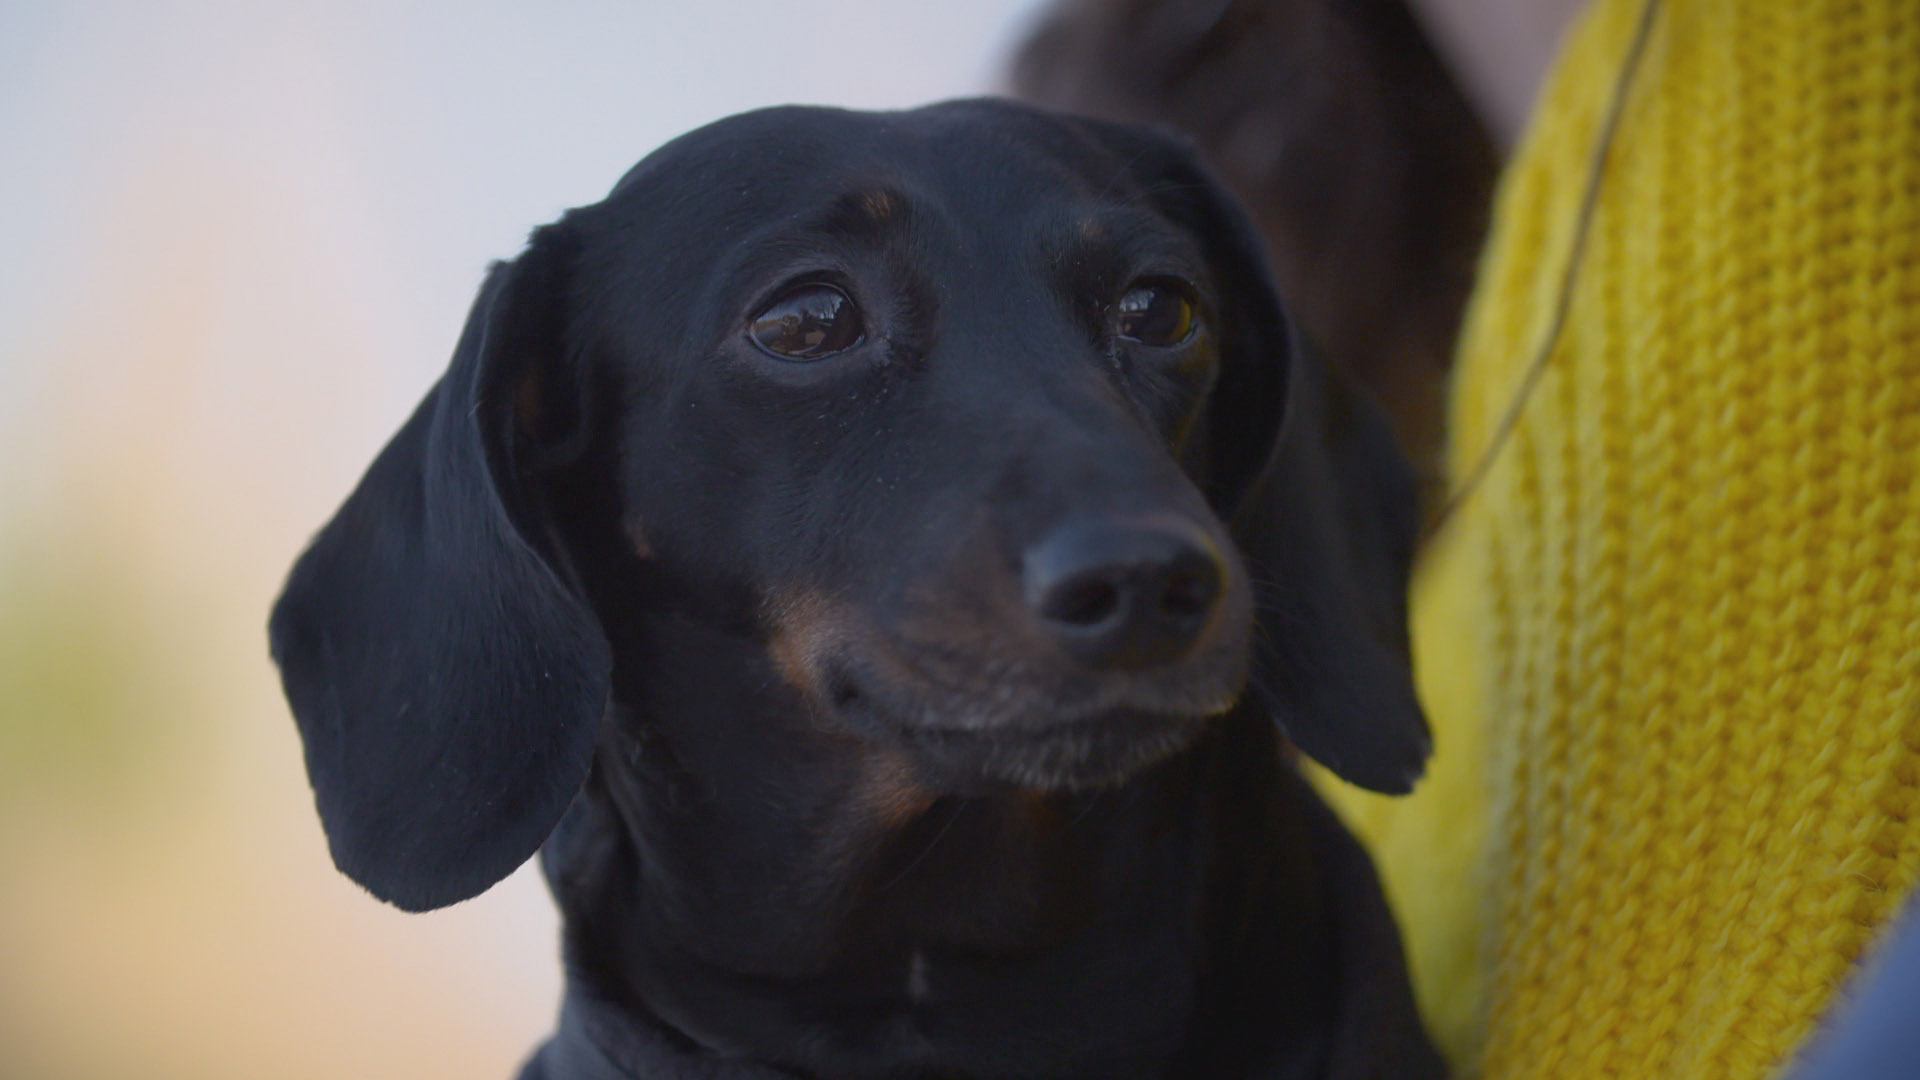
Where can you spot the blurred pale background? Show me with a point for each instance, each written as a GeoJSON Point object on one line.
{"type": "Point", "coordinates": [236, 243]}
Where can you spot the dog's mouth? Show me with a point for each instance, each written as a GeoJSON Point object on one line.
{"type": "Point", "coordinates": [1105, 651]}
{"type": "Point", "coordinates": [997, 719]}
{"type": "Point", "coordinates": [1093, 751]}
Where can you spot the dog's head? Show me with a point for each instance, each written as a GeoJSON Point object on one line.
{"type": "Point", "coordinates": [978, 432]}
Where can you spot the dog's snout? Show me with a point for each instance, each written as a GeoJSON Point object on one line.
{"type": "Point", "coordinates": [1125, 595]}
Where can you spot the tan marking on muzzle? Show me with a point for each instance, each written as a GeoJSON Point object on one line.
{"type": "Point", "coordinates": [805, 625]}
{"type": "Point", "coordinates": [802, 629]}
{"type": "Point", "coordinates": [890, 789]}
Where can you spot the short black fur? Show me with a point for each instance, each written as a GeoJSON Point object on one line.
{"type": "Point", "coordinates": [770, 650]}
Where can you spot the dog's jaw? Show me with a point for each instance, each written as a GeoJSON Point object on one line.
{"type": "Point", "coordinates": [956, 932]}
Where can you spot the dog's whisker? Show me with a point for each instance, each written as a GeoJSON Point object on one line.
{"type": "Point", "coordinates": [953, 815]}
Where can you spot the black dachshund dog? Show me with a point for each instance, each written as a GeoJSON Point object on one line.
{"type": "Point", "coordinates": [882, 560]}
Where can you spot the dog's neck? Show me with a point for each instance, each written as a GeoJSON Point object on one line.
{"type": "Point", "coordinates": [812, 905]}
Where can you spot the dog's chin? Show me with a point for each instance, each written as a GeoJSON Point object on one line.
{"type": "Point", "coordinates": [1100, 750]}
{"type": "Point", "coordinates": [975, 720]}
{"type": "Point", "coordinates": [1030, 733]}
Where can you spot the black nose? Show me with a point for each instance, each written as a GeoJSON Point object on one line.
{"type": "Point", "coordinates": [1125, 595]}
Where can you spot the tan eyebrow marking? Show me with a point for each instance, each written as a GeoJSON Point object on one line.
{"type": "Point", "coordinates": [879, 203]}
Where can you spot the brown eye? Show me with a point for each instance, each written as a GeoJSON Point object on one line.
{"type": "Point", "coordinates": [808, 323]}
{"type": "Point", "coordinates": [1154, 313]}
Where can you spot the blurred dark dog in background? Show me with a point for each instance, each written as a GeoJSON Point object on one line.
{"type": "Point", "coordinates": [1361, 162]}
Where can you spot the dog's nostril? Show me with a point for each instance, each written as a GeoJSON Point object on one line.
{"type": "Point", "coordinates": [1124, 594]}
{"type": "Point", "coordinates": [1088, 601]}
{"type": "Point", "coordinates": [1189, 592]}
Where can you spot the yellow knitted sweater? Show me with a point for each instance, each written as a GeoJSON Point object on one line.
{"type": "Point", "coordinates": [1671, 643]}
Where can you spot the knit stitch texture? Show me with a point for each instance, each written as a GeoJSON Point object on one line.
{"type": "Point", "coordinates": [1671, 644]}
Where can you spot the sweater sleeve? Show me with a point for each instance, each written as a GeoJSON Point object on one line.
{"type": "Point", "coordinates": [1670, 640]}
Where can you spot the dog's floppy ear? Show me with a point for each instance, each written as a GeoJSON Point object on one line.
{"type": "Point", "coordinates": [1328, 528]}
{"type": "Point", "coordinates": [1307, 473]}
{"type": "Point", "coordinates": [447, 678]}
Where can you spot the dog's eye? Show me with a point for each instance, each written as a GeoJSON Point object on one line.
{"type": "Point", "coordinates": [1154, 313]}
{"type": "Point", "coordinates": [808, 323]}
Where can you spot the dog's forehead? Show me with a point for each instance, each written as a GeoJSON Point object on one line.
{"type": "Point", "coordinates": [771, 158]}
